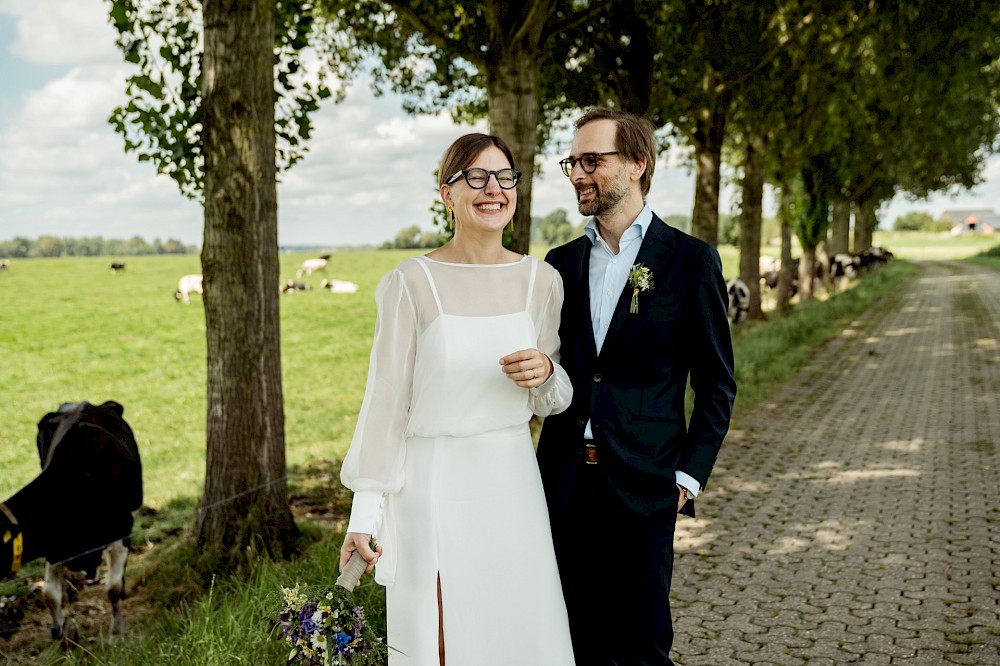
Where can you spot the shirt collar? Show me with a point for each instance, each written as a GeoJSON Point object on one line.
{"type": "Point", "coordinates": [641, 223]}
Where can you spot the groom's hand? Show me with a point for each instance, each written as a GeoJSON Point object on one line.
{"type": "Point", "coordinates": [356, 541]}
{"type": "Point", "coordinates": [682, 500]}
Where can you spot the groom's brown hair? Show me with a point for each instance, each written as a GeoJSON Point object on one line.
{"type": "Point", "coordinates": [634, 139]}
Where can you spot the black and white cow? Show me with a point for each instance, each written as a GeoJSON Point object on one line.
{"type": "Point", "coordinates": [116, 266]}
{"type": "Point", "coordinates": [739, 299]}
{"type": "Point", "coordinates": [80, 507]}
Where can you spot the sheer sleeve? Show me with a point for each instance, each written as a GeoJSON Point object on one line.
{"type": "Point", "coordinates": [374, 462]}
{"type": "Point", "coordinates": [555, 395]}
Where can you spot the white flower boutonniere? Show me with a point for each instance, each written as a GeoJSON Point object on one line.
{"type": "Point", "coordinates": [641, 279]}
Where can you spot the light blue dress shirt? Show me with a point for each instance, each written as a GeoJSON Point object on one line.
{"type": "Point", "coordinates": [608, 274]}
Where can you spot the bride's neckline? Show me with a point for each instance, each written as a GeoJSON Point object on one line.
{"type": "Point", "coordinates": [523, 258]}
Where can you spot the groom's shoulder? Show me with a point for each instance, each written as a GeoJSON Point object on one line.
{"type": "Point", "coordinates": [567, 251]}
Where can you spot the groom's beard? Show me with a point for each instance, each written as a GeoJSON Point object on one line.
{"type": "Point", "coordinates": [605, 198]}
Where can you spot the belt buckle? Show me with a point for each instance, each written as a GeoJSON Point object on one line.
{"type": "Point", "coordinates": [590, 454]}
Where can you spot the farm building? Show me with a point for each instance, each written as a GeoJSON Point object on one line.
{"type": "Point", "coordinates": [972, 221]}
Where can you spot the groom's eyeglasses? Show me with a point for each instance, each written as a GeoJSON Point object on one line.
{"type": "Point", "coordinates": [588, 162]}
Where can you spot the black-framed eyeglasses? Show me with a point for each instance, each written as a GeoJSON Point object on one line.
{"type": "Point", "coordinates": [478, 178]}
{"type": "Point", "coordinates": [588, 162]}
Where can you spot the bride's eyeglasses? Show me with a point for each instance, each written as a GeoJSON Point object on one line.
{"type": "Point", "coordinates": [478, 178]}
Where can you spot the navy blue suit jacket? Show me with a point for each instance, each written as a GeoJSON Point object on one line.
{"type": "Point", "coordinates": [633, 391]}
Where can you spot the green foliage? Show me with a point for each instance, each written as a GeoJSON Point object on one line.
{"type": "Point", "coordinates": [50, 246]}
{"type": "Point", "coordinates": [554, 229]}
{"type": "Point", "coordinates": [917, 221]}
{"type": "Point", "coordinates": [413, 237]}
{"type": "Point", "coordinates": [729, 230]}
{"type": "Point", "coordinates": [161, 122]}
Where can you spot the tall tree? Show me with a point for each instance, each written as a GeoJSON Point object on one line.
{"type": "Point", "coordinates": [681, 64]}
{"type": "Point", "coordinates": [474, 59]}
{"type": "Point", "coordinates": [245, 502]}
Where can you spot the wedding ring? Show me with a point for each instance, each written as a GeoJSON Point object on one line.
{"type": "Point", "coordinates": [532, 373]}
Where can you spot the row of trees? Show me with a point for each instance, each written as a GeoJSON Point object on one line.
{"type": "Point", "coordinates": [838, 105]}
{"type": "Point", "coordinates": [90, 246]}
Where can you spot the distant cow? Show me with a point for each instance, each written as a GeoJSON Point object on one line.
{"type": "Point", "coordinates": [116, 266]}
{"type": "Point", "coordinates": [188, 284]}
{"type": "Point", "coordinates": [4, 264]}
{"type": "Point", "coordinates": [291, 287]}
{"type": "Point", "coordinates": [339, 286]}
{"type": "Point", "coordinates": [80, 508]}
{"type": "Point", "coordinates": [310, 266]}
{"type": "Point", "coordinates": [739, 299]}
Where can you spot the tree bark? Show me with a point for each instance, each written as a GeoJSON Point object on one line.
{"type": "Point", "coordinates": [245, 501]}
{"type": "Point", "coordinates": [514, 116]}
{"type": "Point", "coordinates": [807, 269]}
{"type": "Point", "coordinates": [864, 224]}
{"type": "Point", "coordinates": [709, 134]}
{"type": "Point", "coordinates": [513, 79]}
{"type": "Point", "coordinates": [750, 223]}
{"type": "Point", "coordinates": [840, 228]}
{"type": "Point", "coordinates": [785, 274]}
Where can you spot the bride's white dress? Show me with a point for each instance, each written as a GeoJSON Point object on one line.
{"type": "Point", "coordinates": [443, 467]}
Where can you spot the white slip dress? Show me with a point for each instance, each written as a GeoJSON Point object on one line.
{"type": "Point", "coordinates": [472, 511]}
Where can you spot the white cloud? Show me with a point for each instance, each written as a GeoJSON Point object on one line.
{"type": "Point", "coordinates": [70, 32]}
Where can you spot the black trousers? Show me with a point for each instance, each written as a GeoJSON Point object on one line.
{"type": "Point", "coordinates": [615, 566]}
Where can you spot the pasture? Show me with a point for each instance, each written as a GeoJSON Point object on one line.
{"type": "Point", "coordinates": [70, 329]}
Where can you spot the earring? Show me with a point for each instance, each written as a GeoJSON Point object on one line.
{"type": "Point", "coordinates": [451, 215]}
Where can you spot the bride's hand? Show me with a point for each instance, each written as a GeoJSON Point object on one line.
{"type": "Point", "coordinates": [528, 368]}
{"type": "Point", "coordinates": [357, 541]}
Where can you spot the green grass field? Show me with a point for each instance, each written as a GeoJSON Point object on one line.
{"type": "Point", "coordinates": [71, 330]}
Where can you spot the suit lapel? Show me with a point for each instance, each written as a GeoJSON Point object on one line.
{"type": "Point", "coordinates": [654, 253]}
{"type": "Point", "coordinates": [582, 276]}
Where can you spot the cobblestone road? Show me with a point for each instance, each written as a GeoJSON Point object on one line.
{"type": "Point", "coordinates": [855, 518]}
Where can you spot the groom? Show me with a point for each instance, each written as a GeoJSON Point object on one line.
{"type": "Point", "coordinates": [644, 312]}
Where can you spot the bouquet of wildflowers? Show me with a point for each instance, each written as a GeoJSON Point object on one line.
{"type": "Point", "coordinates": [641, 279]}
{"type": "Point", "coordinates": [324, 627]}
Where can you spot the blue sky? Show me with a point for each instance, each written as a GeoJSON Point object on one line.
{"type": "Point", "coordinates": [63, 170]}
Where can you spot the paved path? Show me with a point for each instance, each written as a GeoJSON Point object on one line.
{"type": "Point", "coordinates": [856, 517]}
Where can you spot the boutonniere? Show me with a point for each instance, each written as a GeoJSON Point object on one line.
{"type": "Point", "coordinates": [641, 279]}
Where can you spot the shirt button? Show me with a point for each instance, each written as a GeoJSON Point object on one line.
{"type": "Point", "coordinates": [598, 377]}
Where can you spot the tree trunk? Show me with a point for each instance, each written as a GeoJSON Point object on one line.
{"type": "Point", "coordinates": [785, 274]}
{"type": "Point", "coordinates": [807, 269]}
{"type": "Point", "coordinates": [709, 134]}
{"type": "Point", "coordinates": [864, 224]}
{"type": "Point", "coordinates": [514, 116]}
{"type": "Point", "coordinates": [840, 228]}
{"type": "Point", "coordinates": [512, 84]}
{"type": "Point", "coordinates": [245, 502]}
{"type": "Point", "coordinates": [750, 223]}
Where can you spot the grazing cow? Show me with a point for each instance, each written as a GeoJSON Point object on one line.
{"type": "Point", "coordinates": [4, 264]}
{"type": "Point", "coordinates": [80, 507]}
{"type": "Point", "coordinates": [739, 299]}
{"type": "Point", "coordinates": [310, 266]}
{"type": "Point", "coordinates": [291, 287]}
{"type": "Point", "coordinates": [339, 286]}
{"type": "Point", "coordinates": [189, 284]}
{"type": "Point", "coordinates": [116, 266]}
